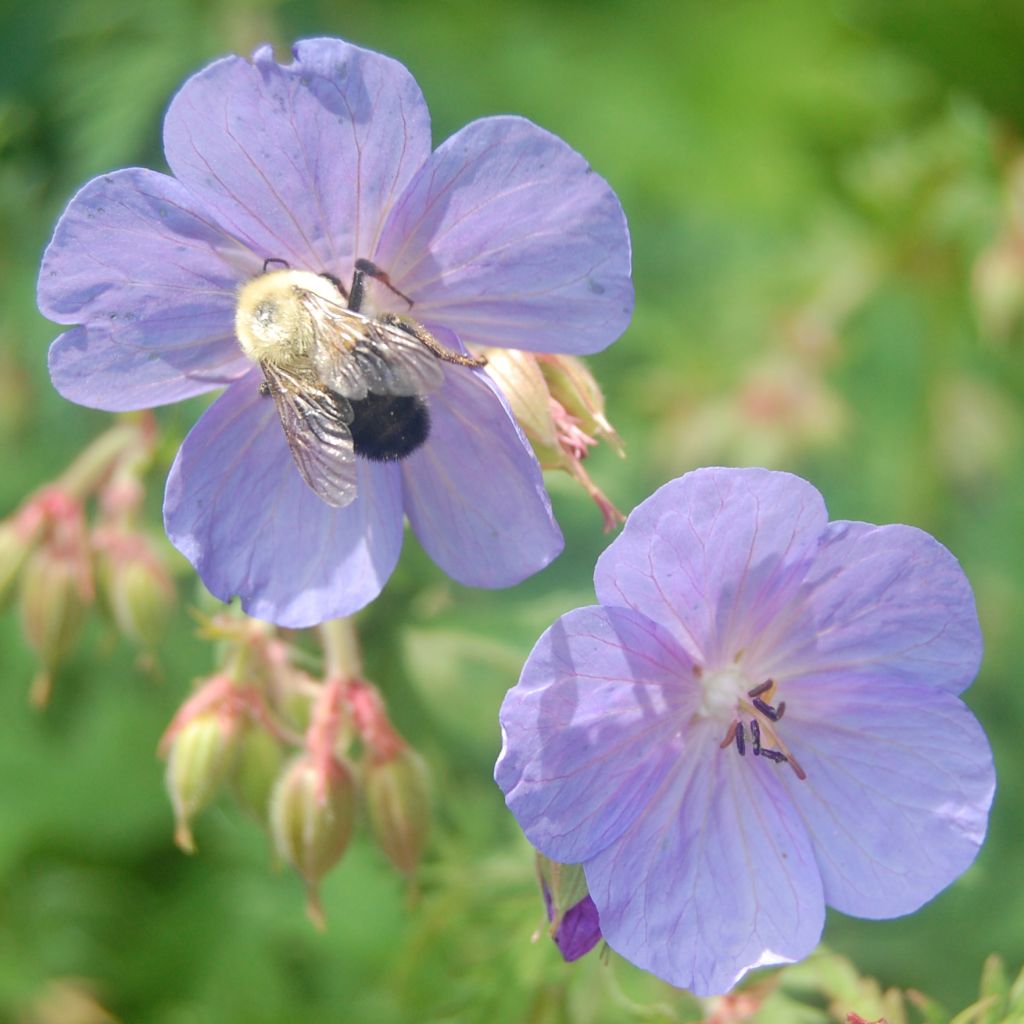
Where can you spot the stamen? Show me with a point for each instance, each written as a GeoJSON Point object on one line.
{"type": "Point", "coordinates": [728, 736]}
{"type": "Point", "coordinates": [766, 709]}
{"type": "Point", "coordinates": [773, 755]}
{"type": "Point", "coordinates": [800, 773]}
{"type": "Point", "coordinates": [741, 746]}
{"type": "Point", "coordinates": [780, 710]}
{"type": "Point", "coordinates": [755, 737]}
{"type": "Point", "coordinates": [763, 688]}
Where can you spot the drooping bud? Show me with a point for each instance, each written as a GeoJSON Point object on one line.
{"type": "Point", "coordinates": [14, 552]}
{"type": "Point", "coordinates": [55, 595]}
{"type": "Point", "coordinates": [312, 811]}
{"type": "Point", "coordinates": [537, 388]}
{"type": "Point", "coordinates": [519, 376]}
{"type": "Point", "coordinates": [257, 768]}
{"type": "Point", "coordinates": [574, 387]}
{"type": "Point", "coordinates": [202, 753]}
{"type": "Point", "coordinates": [137, 587]}
{"type": "Point", "coordinates": [575, 927]}
{"type": "Point", "coordinates": [398, 803]}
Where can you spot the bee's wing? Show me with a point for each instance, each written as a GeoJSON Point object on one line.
{"type": "Point", "coordinates": [354, 354]}
{"type": "Point", "coordinates": [315, 424]}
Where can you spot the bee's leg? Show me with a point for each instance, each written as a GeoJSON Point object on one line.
{"type": "Point", "coordinates": [422, 335]}
{"type": "Point", "coordinates": [274, 259]}
{"type": "Point", "coordinates": [336, 281]}
{"type": "Point", "coordinates": [265, 389]}
{"type": "Point", "coordinates": [363, 270]}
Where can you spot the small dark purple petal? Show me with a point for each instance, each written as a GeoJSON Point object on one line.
{"type": "Point", "coordinates": [237, 508]}
{"type": "Point", "coordinates": [509, 238]}
{"type": "Point", "coordinates": [301, 161]}
{"type": "Point", "coordinates": [579, 931]}
{"type": "Point", "coordinates": [474, 493]}
{"type": "Point", "coordinates": [716, 556]}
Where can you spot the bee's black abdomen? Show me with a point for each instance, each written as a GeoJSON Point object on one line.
{"type": "Point", "coordinates": [388, 427]}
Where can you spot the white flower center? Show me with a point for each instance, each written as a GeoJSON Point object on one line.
{"type": "Point", "coordinates": [723, 690]}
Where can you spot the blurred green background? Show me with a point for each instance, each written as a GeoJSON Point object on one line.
{"type": "Point", "coordinates": [827, 209]}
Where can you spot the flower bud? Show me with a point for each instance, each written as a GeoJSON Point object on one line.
{"type": "Point", "coordinates": [257, 767]}
{"type": "Point", "coordinates": [519, 376]}
{"type": "Point", "coordinates": [573, 386]}
{"type": "Point", "coordinates": [55, 594]}
{"type": "Point", "coordinates": [560, 408]}
{"type": "Point", "coordinates": [398, 802]}
{"type": "Point", "coordinates": [312, 810]}
{"type": "Point", "coordinates": [14, 552]}
{"type": "Point", "coordinates": [202, 753]}
{"type": "Point", "coordinates": [575, 927]}
{"type": "Point", "coordinates": [138, 588]}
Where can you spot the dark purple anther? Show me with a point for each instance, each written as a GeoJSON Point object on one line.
{"type": "Point", "coordinates": [763, 688]}
{"type": "Point", "coordinates": [741, 746]}
{"type": "Point", "coordinates": [755, 737]}
{"type": "Point", "coordinates": [773, 755]}
{"type": "Point", "coordinates": [766, 709]}
{"type": "Point", "coordinates": [781, 709]}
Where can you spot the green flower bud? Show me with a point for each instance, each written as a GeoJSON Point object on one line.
{"type": "Point", "coordinates": [398, 802]}
{"type": "Point", "coordinates": [14, 552]}
{"type": "Point", "coordinates": [312, 811]}
{"type": "Point", "coordinates": [565, 883]}
{"type": "Point", "coordinates": [202, 754]}
{"type": "Point", "coordinates": [55, 596]}
{"type": "Point", "coordinates": [257, 767]}
{"type": "Point", "coordinates": [138, 589]}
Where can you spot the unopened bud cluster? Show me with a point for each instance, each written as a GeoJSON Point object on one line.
{"type": "Point", "coordinates": [299, 753]}
{"type": "Point", "coordinates": [77, 542]}
{"type": "Point", "coordinates": [561, 410]}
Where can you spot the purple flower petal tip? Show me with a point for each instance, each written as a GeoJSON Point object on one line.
{"type": "Point", "coordinates": [579, 930]}
{"type": "Point", "coordinates": [502, 236]}
{"type": "Point", "coordinates": [760, 718]}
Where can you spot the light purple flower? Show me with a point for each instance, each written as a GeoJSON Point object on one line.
{"type": "Point", "coordinates": [704, 860]}
{"type": "Point", "coordinates": [501, 236]}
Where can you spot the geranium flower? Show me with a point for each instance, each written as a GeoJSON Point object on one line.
{"type": "Point", "coordinates": [502, 236]}
{"type": "Point", "coordinates": [760, 717]}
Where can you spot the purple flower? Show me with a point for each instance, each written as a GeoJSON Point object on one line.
{"type": "Point", "coordinates": [501, 236]}
{"type": "Point", "coordinates": [760, 717]}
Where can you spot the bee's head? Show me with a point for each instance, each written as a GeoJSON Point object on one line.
{"type": "Point", "coordinates": [270, 320]}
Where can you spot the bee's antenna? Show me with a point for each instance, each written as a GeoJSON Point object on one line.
{"type": "Point", "coordinates": [364, 269]}
{"type": "Point", "coordinates": [274, 259]}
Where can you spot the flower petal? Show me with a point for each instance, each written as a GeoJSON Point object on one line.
{"type": "Point", "coordinates": [301, 161]}
{"type": "Point", "coordinates": [591, 730]}
{"type": "Point", "coordinates": [888, 599]}
{"type": "Point", "coordinates": [579, 931]}
{"type": "Point", "coordinates": [88, 367]}
{"type": "Point", "coordinates": [474, 492]}
{"type": "Point", "coordinates": [714, 556]}
{"type": "Point", "coordinates": [237, 508]}
{"type": "Point", "coordinates": [899, 783]}
{"type": "Point", "coordinates": [509, 238]}
{"type": "Point", "coordinates": [153, 280]}
{"type": "Point", "coordinates": [715, 877]}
